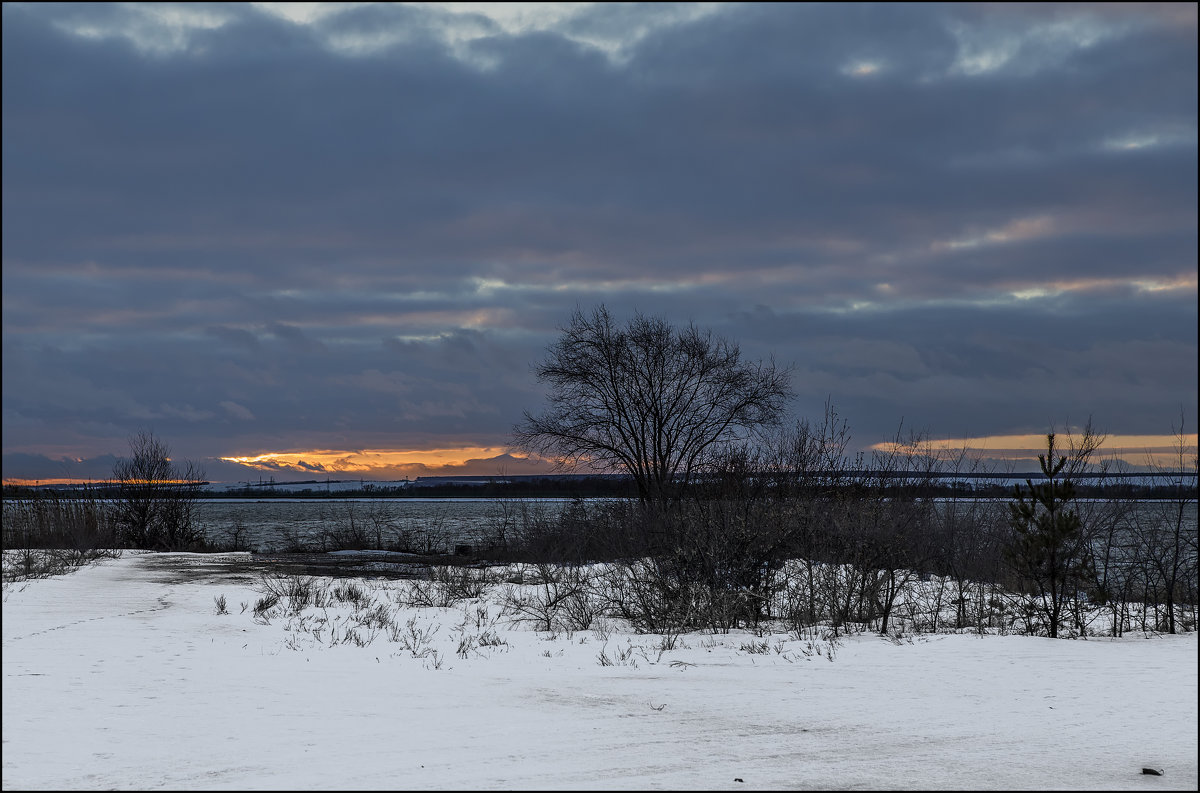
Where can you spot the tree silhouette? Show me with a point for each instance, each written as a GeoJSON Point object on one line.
{"type": "Point", "coordinates": [648, 398]}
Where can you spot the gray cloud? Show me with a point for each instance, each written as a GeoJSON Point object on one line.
{"type": "Point", "coordinates": [255, 234]}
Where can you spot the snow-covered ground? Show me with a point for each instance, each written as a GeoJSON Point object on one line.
{"type": "Point", "coordinates": [123, 675]}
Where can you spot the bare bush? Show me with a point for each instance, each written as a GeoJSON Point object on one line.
{"type": "Point", "coordinates": [300, 592]}
{"type": "Point", "coordinates": [156, 498]}
{"type": "Point", "coordinates": [264, 606]}
{"type": "Point", "coordinates": [626, 656]}
{"type": "Point", "coordinates": [562, 599]}
{"type": "Point", "coordinates": [463, 583]}
{"type": "Point", "coordinates": [756, 648]}
{"type": "Point", "coordinates": [444, 586]}
{"type": "Point", "coordinates": [648, 595]}
{"type": "Point", "coordinates": [348, 592]}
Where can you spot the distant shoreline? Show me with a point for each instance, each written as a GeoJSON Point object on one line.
{"type": "Point", "coordinates": [1136, 485]}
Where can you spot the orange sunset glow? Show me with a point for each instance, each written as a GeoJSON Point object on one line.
{"type": "Point", "coordinates": [383, 462]}
{"type": "Point", "coordinates": [1159, 450]}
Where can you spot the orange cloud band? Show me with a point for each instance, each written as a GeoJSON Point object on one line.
{"type": "Point", "coordinates": [373, 461]}
{"type": "Point", "coordinates": [1137, 449]}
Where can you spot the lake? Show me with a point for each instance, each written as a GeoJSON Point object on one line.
{"type": "Point", "coordinates": [427, 525]}
{"type": "Point", "coordinates": [436, 525]}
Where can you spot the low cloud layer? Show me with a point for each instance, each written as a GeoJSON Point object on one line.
{"type": "Point", "coordinates": [358, 227]}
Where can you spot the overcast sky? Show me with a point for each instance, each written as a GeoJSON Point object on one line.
{"type": "Point", "coordinates": [259, 230]}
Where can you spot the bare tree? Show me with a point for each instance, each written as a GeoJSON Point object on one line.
{"type": "Point", "coordinates": [1166, 532]}
{"type": "Point", "coordinates": [964, 529]}
{"type": "Point", "coordinates": [648, 398]}
{"type": "Point", "coordinates": [899, 543]}
{"type": "Point", "coordinates": [155, 497]}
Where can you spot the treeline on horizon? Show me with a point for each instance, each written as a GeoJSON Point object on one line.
{"type": "Point", "coordinates": [1124, 486]}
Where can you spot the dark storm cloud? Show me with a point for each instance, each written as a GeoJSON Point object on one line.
{"type": "Point", "coordinates": [37, 466]}
{"type": "Point", "coordinates": [963, 370]}
{"type": "Point", "coordinates": [360, 231]}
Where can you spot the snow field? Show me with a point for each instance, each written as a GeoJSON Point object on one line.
{"type": "Point", "coordinates": [123, 675]}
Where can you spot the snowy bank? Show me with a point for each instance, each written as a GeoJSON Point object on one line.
{"type": "Point", "coordinates": [124, 675]}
